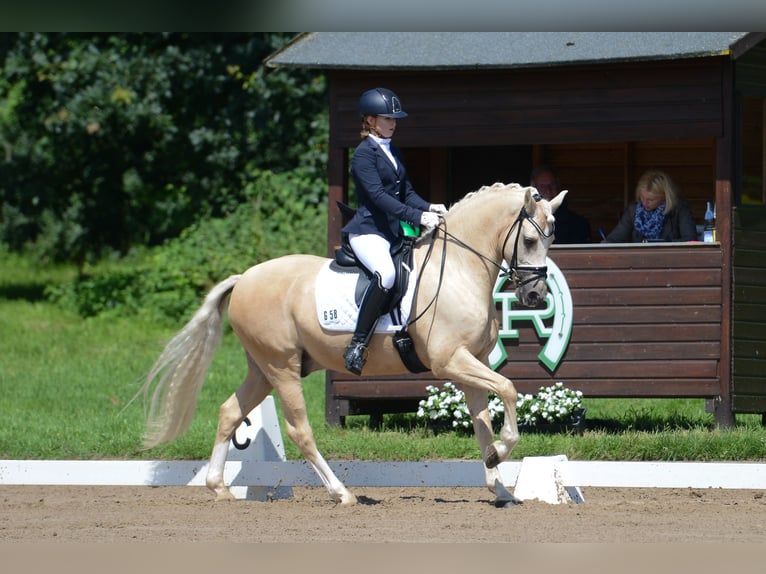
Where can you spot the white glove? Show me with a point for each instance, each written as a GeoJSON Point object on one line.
{"type": "Point", "coordinates": [429, 219]}
{"type": "Point", "coordinates": [438, 208]}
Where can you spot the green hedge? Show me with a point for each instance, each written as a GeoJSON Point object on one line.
{"type": "Point", "coordinates": [285, 213]}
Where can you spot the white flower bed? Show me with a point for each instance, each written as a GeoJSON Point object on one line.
{"type": "Point", "coordinates": [554, 404]}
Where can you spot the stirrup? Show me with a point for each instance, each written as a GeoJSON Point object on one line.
{"type": "Point", "coordinates": [356, 357]}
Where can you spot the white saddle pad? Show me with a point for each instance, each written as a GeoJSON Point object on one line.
{"type": "Point", "coordinates": [337, 310]}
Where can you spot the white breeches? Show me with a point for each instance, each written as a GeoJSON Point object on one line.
{"type": "Point", "coordinates": [374, 253]}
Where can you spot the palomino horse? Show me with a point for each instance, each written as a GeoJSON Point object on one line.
{"type": "Point", "coordinates": [272, 311]}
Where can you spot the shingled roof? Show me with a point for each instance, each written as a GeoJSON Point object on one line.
{"type": "Point", "coordinates": [473, 50]}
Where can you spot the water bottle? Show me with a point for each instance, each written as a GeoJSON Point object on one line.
{"type": "Point", "coordinates": [708, 235]}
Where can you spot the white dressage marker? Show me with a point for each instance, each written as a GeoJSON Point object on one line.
{"type": "Point", "coordinates": [543, 478]}
{"type": "Point", "coordinates": [258, 438]}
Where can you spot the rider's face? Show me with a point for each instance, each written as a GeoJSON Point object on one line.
{"type": "Point", "coordinates": [383, 126]}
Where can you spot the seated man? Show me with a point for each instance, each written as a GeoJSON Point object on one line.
{"type": "Point", "coordinates": [571, 227]}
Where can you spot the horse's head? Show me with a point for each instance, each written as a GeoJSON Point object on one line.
{"type": "Point", "coordinates": [526, 246]}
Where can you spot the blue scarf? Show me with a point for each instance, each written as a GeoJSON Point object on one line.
{"type": "Point", "coordinates": [649, 223]}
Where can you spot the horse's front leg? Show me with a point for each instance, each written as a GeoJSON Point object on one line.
{"type": "Point", "coordinates": [478, 406]}
{"type": "Point", "coordinates": [476, 377]}
{"type": "Point", "coordinates": [500, 450]}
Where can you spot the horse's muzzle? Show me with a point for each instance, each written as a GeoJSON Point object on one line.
{"type": "Point", "coordinates": [531, 288]}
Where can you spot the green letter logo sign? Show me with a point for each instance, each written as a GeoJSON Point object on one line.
{"type": "Point", "coordinates": [558, 304]}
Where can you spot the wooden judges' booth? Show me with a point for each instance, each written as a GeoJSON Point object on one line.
{"type": "Point", "coordinates": [649, 320]}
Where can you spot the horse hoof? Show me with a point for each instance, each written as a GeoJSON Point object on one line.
{"type": "Point", "coordinates": [507, 503]}
{"type": "Point", "coordinates": [343, 497]}
{"type": "Point", "coordinates": [493, 458]}
{"type": "Point", "coordinates": [346, 499]}
{"type": "Point", "coordinates": [224, 494]}
{"type": "Point", "coordinates": [503, 496]}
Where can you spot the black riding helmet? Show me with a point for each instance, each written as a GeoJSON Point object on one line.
{"type": "Point", "coordinates": [381, 102]}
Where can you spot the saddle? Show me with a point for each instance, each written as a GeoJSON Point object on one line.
{"type": "Point", "coordinates": [401, 253]}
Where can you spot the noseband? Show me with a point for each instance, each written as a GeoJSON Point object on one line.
{"type": "Point", "coordinates": [514, 270]}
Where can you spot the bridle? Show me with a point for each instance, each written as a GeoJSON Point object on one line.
{"type": "Point", "coordinates": [514, 270]}
{"type": "Point", "coordinates": [535, 272]}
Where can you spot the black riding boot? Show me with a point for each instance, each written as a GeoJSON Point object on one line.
{"type": "Point", "coordinates": [370, 309]}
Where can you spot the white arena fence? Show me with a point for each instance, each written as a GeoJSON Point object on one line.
{"type": "Point", "coordinates": [257, 469]}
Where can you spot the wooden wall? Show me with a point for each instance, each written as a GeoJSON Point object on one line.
{"type": "Point", "coordinates": [647, 323]}
{"type": "Point", "coordinates": [749, 310]}
{"type": "Point", "coordinates": [647, 320]}
{"type": "Point", "coordinates": [524, 106]}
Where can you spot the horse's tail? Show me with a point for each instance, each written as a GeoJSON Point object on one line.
{"type": "Point", "coordinates": [180, 370]}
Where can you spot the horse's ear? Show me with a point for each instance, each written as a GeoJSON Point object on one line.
{"type": "Point", "coordinates": [558, 200]}
{"type": "Point", "coordinates": [531, 197]}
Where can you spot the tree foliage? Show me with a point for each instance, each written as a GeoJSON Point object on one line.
{"type": "Point", "coordinates": [111, 141]}
{"type": "Point", "coordinates": [281, 214]}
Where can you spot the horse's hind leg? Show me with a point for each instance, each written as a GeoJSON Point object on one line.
{"type": "Point", "coordinates": [287, 383]}
{"type": "Point", "coordinates": [253, 390]}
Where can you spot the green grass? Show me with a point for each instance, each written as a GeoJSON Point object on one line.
{"type": "Point", "coordinates": [65, 383]}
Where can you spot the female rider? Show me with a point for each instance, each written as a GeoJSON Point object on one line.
{"type": "Point", "coordinates": [385, 197]}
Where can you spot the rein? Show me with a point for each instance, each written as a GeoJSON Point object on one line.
{"type": "Point", "coordinates": [512, 271]}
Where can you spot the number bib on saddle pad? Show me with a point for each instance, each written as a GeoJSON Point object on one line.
{"type": "Point", "coordinates": [337, 310]}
